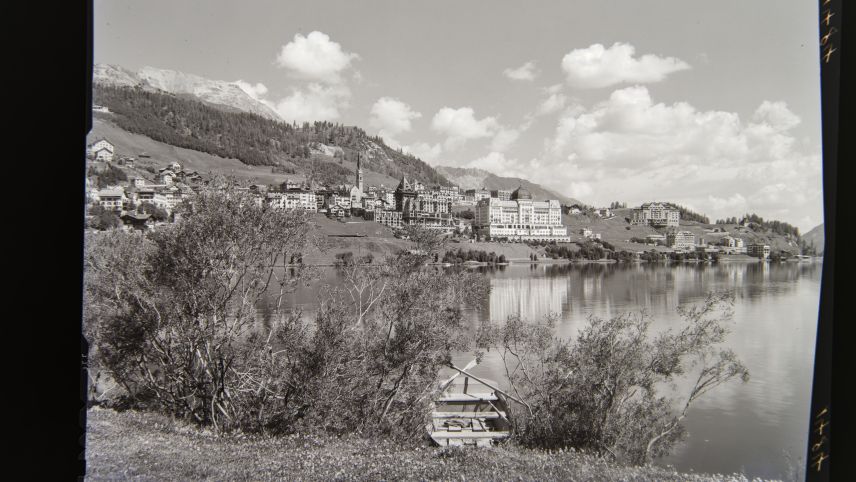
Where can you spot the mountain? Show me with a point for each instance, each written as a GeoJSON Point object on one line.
{"type": "Point", "coordinates": [474, 178]}
{"type": "Point", "coordinates": [816, 236]}
{"type": "Point", "coordinates": [323, 150]}
{"type": "Point", "coordinates": [218, 93]}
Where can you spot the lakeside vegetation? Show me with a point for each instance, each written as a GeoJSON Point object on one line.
{"type": "Point", "coordinates": [171, 319]}
{"type": "Point", "coordinates": [461, 256]}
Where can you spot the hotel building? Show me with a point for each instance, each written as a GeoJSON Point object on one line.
{"type": "Point", "coordinates": [520, 218]}
{"type": "Point", "coordinates": [657, 215]}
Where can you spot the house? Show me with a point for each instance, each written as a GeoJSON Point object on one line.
{"type": "Point", "coordinates": [291, 184]}
{"type": "Point", "coordinates": [112, 199]}
{"type": "Point", "coordinates": [732, 245]}
{"type": "Point", "coordinates": [101, 150]}
{"type": "Point", "coordinates": [258, 188]}
{"type": "Point", "coordinates": [334, 210]}
{"type": "Point", "coordinates": [126, 161]}
{"type": "Point", "coordinates": [137, 221]}
{"type": "Point", "coordinates": [605, 213]}
{"type": "Point", "coordinates": [166, 176]}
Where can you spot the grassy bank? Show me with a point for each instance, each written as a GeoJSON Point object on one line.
{"type": "Point", "coordinates": [135, 445]}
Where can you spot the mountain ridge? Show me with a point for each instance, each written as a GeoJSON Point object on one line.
{"type": "Point", "coordinates": [477, 178]}
{"type": "Point", "coordinates": [214, 92]}
{"type": "Point", "coordinates": [184, 121]}
{"type": "Point", "coordinates": [817, 236]}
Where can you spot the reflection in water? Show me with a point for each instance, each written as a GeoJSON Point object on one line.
{"type": "Point", "coordinates": [736, 427]}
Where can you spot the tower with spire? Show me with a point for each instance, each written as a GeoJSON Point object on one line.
{"type": "Point", "coordinates": [359, 182]}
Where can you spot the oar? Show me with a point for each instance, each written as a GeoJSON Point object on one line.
{"type": "Point", "coordinates": [512, 397]}
{"type": "Point", "coordinates": [447, 382]}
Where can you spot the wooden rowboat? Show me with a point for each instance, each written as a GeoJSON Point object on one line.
{"type": "Point", "coordinates": [469, 412]}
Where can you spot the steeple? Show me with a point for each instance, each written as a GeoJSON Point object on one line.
{"type": "Point", "coordinates": [359, 182]}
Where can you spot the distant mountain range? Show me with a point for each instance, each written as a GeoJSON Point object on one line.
{"type": "Point", "coordinates": [218, 93]}
{"type": "Point", "coordinates": [474, 178]}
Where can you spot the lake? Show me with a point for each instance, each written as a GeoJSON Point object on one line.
{"type": "Point", "coordinates": [736, 427]}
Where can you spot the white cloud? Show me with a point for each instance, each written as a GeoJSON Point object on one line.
{"type": "Point", "coordinates": [504, 139]}
{"type": "Point", "coordinates": [526, 71]}
{"type": "Point", "coordinates": [460, 125]}
{"type": "Point", "coordinates": [633, 149]}
{"type": "Point", "coordinates": [735, 203]}
{"type": "Point", "coordinates": [315, 103]}
{"type": "Point", "coordinates": [392, 117]}
{"type": "Point", "coordinates": [424, 151]}
{"type": "Point", "coordinates": [321, 64]}
{"type": "Point", "coordinates": [776, 115]}
{"type": "Point", "coordinates": [554, 103]}
{"type": "Point", "coordinates": [315, 57]}
{"type": "Point", "coordinates": [580, 190]}
{"type": "Point", "coordinates": [596, 66]}
{"type": "Point", "coordinates": [255, 91]}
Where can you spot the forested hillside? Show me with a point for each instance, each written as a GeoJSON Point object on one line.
{"type": "Point", "coordinates": [250, 138]}
{"type": "Point", "coordinates": [757, 222]}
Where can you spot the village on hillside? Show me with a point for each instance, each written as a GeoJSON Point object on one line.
{"type": "Point", "coordinates": [138, 202]}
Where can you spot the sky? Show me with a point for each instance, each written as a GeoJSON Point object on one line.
{"type": "Point", "coordinates": [711, 105]}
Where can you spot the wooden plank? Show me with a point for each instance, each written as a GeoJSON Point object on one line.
{"type": "Point", "coordinates": [462, 435]}
{"type": "Point", "coordinates": [467, 397]}
{"type": "Point", "coordinates": [485, 415]}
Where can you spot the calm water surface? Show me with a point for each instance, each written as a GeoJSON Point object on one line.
{"type": "Point", "coordinates": [734, 428]}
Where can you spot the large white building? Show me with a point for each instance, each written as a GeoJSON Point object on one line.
{"type": "Point", "coordinates": [656, 214]}
{"type": "Point", "coordinates": [681, 240]}
{"type": "Point", "coordinates": [520, 218]}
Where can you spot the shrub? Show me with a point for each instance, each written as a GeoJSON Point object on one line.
{"type": "Point", "coordinates": [600, 392]}
{"type": "Point", "coordinates": [171, 316]}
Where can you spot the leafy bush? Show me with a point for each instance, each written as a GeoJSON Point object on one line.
{"type": "Point", "coordinates": [601, 391]}
{"type": "Point", "coordinates": [171, 316]}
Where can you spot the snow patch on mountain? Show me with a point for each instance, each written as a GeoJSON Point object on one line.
{"type": "Point", "coordinates": [217, 92]}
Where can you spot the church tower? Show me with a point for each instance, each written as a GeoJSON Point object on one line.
{"type": "Point", "coordinates": [359, 173]}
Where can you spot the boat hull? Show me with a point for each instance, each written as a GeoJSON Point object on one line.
{"type": "Point", "coordinates": [468, 413]}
